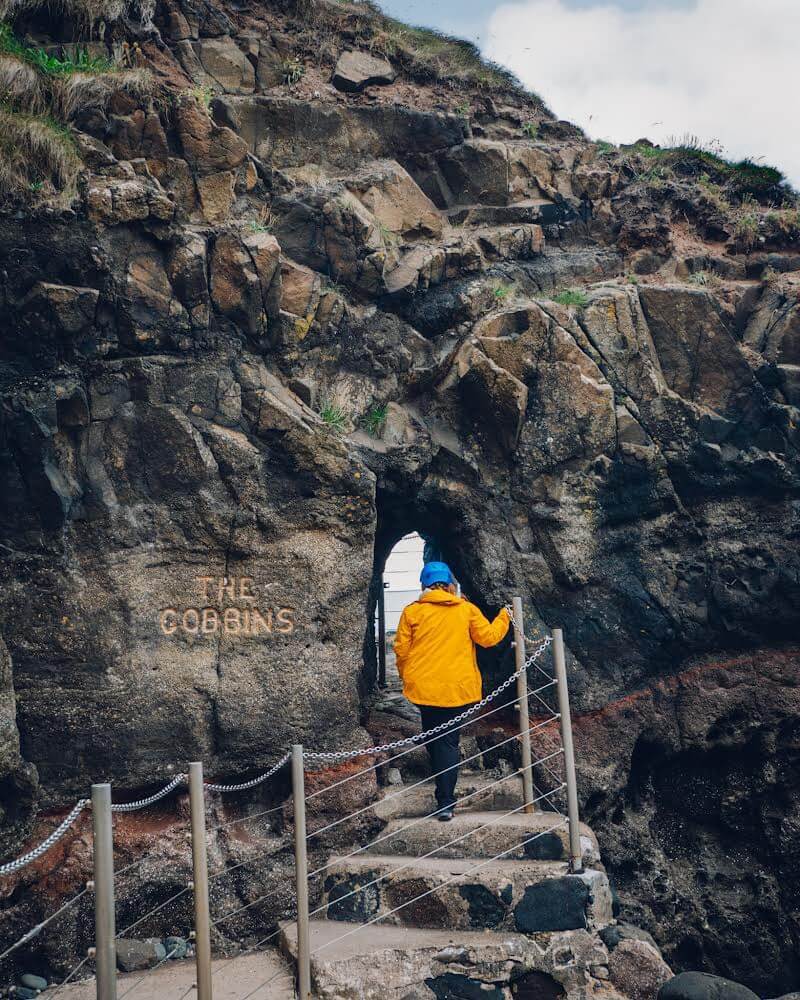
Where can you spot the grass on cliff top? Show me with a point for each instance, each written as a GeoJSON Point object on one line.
{"type": "Point", "coordinates": [37, 155]}
{"type": "Point", "coordinates": [433, 55]}
{"type": "Point", "coordinates": [689, 157]}
{"type": "Point", "coordinates": [424, 54]}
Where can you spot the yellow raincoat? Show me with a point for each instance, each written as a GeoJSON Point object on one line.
{"type": "Point", "coordinates": [435, 648]}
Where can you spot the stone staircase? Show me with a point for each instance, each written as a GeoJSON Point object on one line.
{"type": "Point", "coordinates": [462, 922]}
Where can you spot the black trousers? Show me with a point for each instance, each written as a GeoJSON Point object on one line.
{"type": "Point", "coordinates": [443, 751]}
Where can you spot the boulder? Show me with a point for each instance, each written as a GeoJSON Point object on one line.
{"type": "Point", "coordinates": [637, 969]}
{"type": "Point", "coordinates": [226, 64]}
{"type": "Point", "coordinates": [150, 310]}
{"type": "Point", "coordinates": [269, 68]}
{"type": "Point", "coordinates": [396, 201]}
{"type": "Point", "coordinates": [66, 310]}
{"type": "Point", "coordinates": [129, 199]}
{"type": "Point", "coordinates": [356, 70]}
{"type": "Point", "coordinates": [702, 986]}
{"type": "Point", "coordinates": [207, 147]}
{"type": "Point", "coordinates": [696, 349]}
{"type": "Point", "coordinates": [33, 982]}
{"type": "Point", "coordinates": [187, 273]}
{"type": "Point", "coordinates": [139, 134]}
{"type": "Point", "coordinates": [176, 947]}
{"type": "Point", "coordinates": [134, 954]}
{"type": "Point", "coordinates": [494, 398]}
{"type": "Point", "coordinates": [299, 288]}
{"type": "Point", "coordinates": [476, 171]}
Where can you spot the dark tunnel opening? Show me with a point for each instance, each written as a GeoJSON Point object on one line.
{"type": "Point", "coordinates": [450, 539]}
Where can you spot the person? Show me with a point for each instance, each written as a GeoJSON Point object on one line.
{"type": "Point", "coordinates": [435, 649]}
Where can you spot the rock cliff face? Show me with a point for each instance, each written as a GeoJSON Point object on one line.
{"type": "Point", "coordinates": [310, 295]}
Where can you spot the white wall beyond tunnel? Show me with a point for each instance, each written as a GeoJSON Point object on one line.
{"type": "Point", "coordinates": [401, 577]}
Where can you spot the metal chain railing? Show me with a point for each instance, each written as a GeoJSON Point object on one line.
{"type": "Point", "coordinates": [103, 809]}
{"type": "Point", "coordinates": [60, 831]}
{"type": "Point", "coordinates": [245, 786]}
{"type": "Point", "coordinates": [126, 807]}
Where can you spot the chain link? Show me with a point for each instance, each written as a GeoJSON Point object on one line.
{"type": "Point", "coordinates": [336, 755]}
{"type": "Point", "coordinates": [514, 625]}
{"type": "Point", "coordinates": [26, 859]}
{"type": "Point", "coordinates": [129, 807]}
{"type": "Point", "coordinates": [245, 785]}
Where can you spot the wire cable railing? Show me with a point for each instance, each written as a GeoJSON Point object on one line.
{"type": "Point", "coordinates": [408, 788]}
{"type": "Point", "coordinates": [535, 770]}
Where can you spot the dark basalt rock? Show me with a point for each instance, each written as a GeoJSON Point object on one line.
{"type": "Point", "coordinates": [536, 986]}
{"type": "Point", "coordinates": [547, 847]}
{"type": "Point", "coordinates": [557, 904]}
{"type": "Point", "coordinates": [485, 909]}
{"type": "Point", "coordinates": [357, 70]}
{"type": "Point", "coordinates": [612, 935]}
{"type": "Point", "coordinates": [701, 986]}
{"type": "Point", "coordinates": [452, 986]}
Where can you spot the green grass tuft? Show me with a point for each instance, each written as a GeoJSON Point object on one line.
{"type": "Point", "coordinates": [374, 419]}
{"type": "Point", "coordinates": [334, 416]}
{"type": "Point", "coordinates": [704, 279]}
{"type": "Point", "coordinates": [49, 64]}
{"type": "Point", "coordinates": [573, 297]}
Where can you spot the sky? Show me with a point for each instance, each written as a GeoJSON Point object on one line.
{"type": "Point", "coordinates": [725, 71]}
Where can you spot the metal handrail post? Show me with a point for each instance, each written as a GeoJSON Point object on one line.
{"type": "Point", "coordinates": [575, 852]}
{"type": "Point", "coordinates": [522, 695]}
{"type": "Point", "coordinates": [301, 874]}
{"type": "Point", "coordinates": [202, 916]}
{"type": "Point", "coordinates": [105, 953]}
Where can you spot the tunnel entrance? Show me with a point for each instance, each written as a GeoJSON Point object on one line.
{"type": "Point", "coordinates": [407, 535]}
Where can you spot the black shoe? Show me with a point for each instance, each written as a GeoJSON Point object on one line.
{"type": "Point", "coordinates": [446, 814]}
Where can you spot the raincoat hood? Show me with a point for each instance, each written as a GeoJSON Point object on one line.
{"type": "Point", "coordinates": [439, 597]}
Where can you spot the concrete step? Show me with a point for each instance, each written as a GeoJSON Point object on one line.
{"type": "Point", "coordinates": [392, 963]}
{"type": "Point", "coordinates": [540, 210]}
{"type": "Point", "coordinates": [485, 835]}
{"type": "Point", "coordinates": [482, 790]}
{"type": "Point", "coordinates": [466, 893]}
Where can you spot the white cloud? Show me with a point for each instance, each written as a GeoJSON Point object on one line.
{"type": "Point", "coordinates": [723, 69]}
